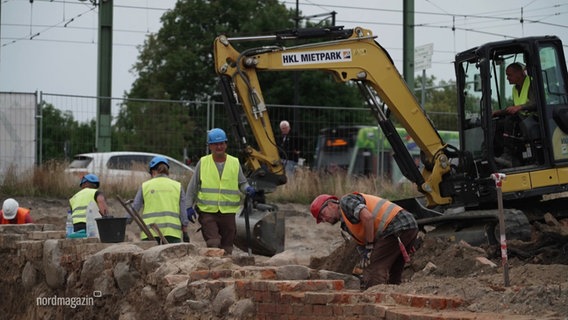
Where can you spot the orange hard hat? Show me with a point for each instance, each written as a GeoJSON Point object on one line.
{"type": "Point", "coordinates": [317, 204]}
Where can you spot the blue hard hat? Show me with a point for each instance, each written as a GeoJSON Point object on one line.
{"type": "Point", "coordinates": [92, 178]}
{"type": "Point", "coordinates": [216, 135]}
{"type": "Point", "coordinates": [156, 161]}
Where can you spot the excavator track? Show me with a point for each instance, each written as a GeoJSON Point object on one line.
{"type": "Point", "coordinates": [478, 227]}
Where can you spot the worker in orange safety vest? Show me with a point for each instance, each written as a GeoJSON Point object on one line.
{"type": "Point", "coordinates": [384, 232]}
{"type": "Point", "coordinates": [12, 213]}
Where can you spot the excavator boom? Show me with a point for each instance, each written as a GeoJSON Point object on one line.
{"type": "Point", "coordinates": [351, 55]}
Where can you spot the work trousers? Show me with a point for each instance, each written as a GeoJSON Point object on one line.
{"type": "Point", "coordinates": [218, 230]}
{"type": "Point", "coordinates": [79, 226]}
{"type": "Point", "coordinates": [387, 262]}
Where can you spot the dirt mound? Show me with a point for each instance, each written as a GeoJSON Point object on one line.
{"type": "Point", "coordinates": [450, 269]}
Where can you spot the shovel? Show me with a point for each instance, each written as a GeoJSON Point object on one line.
{"type": "Point", "coordinates": [136, 217]}
{"type": "Point", "coordinates": [159, 232]}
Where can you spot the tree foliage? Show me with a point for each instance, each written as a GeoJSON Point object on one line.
{"type": "Point", "coordinates": [440, 102]}
{"type": "Point", "coordinates": [63, 136]}
{"type": "Point", "coordinates": [175, 67]}
{"type": "Point", "coordinates": [177, 64]}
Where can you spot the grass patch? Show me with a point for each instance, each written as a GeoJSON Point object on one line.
{"type": "Point", "coordinates": [51, 181]}
{"type": "Point", "coordinates": [305, 185]}
{"type": "Point", "coordinates": [48, 180]}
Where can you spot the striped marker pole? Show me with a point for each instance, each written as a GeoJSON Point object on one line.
{"type": "Point", "coordinates": [499, 177]}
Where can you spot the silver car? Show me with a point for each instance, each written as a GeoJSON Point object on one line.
{"type": "Point", "coordinates": [124, 166]}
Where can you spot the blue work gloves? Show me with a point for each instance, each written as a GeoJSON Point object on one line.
{"type": "Point", "coordinates": [250, 191]}
{"type": "Point", "coordinates": [191, 214]}
{"type": "Point", "coordinates": [366, 252]}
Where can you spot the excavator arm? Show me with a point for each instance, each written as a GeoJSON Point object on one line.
{"type": "Point", "coordinates": [350, 55]}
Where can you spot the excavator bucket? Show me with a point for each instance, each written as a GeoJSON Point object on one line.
{"type": "Point", "coordinates": [266, 230]}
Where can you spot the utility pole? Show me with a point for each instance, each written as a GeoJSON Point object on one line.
{"type": "Point", "coordinates": [296, 77]}
{"type": "Point", "coordinates": [408, 43]}
{"type": "Point", "coordinates": [104, 76]}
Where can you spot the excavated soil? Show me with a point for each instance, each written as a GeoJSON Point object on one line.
{"type": "Point", "coordinates": [537, 270]}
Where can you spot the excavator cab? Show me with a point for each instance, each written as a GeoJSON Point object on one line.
{"type": "Point", "coordinates": [535, 142]}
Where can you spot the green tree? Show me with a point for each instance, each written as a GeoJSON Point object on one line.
{"type": "Point", "coordinates": [62, 136]}
{"type": "Point", "coordinates": [440, 102]}
{"type": "Point", "coordinates": [177, 64]}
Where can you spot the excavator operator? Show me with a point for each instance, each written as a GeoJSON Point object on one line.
{"type": "Point", "coordinates": [508, 126]}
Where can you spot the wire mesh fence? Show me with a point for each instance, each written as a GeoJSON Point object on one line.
{"type": "Point", "coordinates": [175, 128]}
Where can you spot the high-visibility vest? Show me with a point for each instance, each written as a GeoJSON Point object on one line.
{"type": "Point", "coordinates": [79, 203]}
{"type": "Point", "coordinates": [20, 216]}
{"type": "Point", "coordinates": [219, 193]}
{"type": "Point", "coordinates": [161, 206]}
{"type": "Point", "coordinates": [383, 212]}
{"type": "Point", "coordinates": [520, 98]}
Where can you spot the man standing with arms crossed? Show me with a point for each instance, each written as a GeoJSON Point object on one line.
{"type": "Point", "coordinates": [288, 147]}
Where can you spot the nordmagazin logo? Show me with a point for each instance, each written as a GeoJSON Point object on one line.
{"type": "Point", "coordinates": [313, 57]}
{"type": "Point", "coordinates": [73, 302]}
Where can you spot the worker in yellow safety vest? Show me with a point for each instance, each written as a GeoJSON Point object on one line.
{"type": "Point", "coordinates": [163, 201]}
{"type": "Point", "coordinates": [524, 105]}
{"type": "Point", "coordinates": [214, 193]}
{"type": "Point", "coordinates": [80, 201]}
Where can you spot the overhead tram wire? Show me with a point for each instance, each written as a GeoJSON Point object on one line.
{"type": "Point", "coordinates": [65, 24]}
{"type": "Point", "coordinates": [67, 2]}
{"type": "Point", "coordinates": [471, 16]}
{"type": "Point", "coordinates": [479, 15]}
{"type": "Point", "coordinates": [449, 27]}
{"type": "Point", "coordinates": [49, 27]}
{"type": "Point", "coordinates": [453, 27]}
{"type": "Point", "coordinates": [527, 19]}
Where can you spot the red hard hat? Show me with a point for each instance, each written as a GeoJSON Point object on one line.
{"type": "Point", "coordinates": [318, 202]}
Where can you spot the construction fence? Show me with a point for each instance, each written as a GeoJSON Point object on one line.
{"type": "Point", "coordinates": [174, 128]}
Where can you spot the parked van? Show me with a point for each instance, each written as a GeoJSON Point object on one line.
{"type": "Point", "coordinates": [364, 150]}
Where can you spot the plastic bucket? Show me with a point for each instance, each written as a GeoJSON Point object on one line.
{"type": "Point", "coordinates": [111, 230]}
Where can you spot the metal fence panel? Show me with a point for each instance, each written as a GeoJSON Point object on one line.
{"type": "Point", "coordinates": [162, 132]}
{"type": "Point", "coordinates": [17, 132]}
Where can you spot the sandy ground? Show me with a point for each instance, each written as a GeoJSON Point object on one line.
{"type": "Point", "coordinates": [538, 281]}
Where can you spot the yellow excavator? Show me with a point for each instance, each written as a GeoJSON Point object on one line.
{"type": "Point", "coordinates": [459, 195]}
